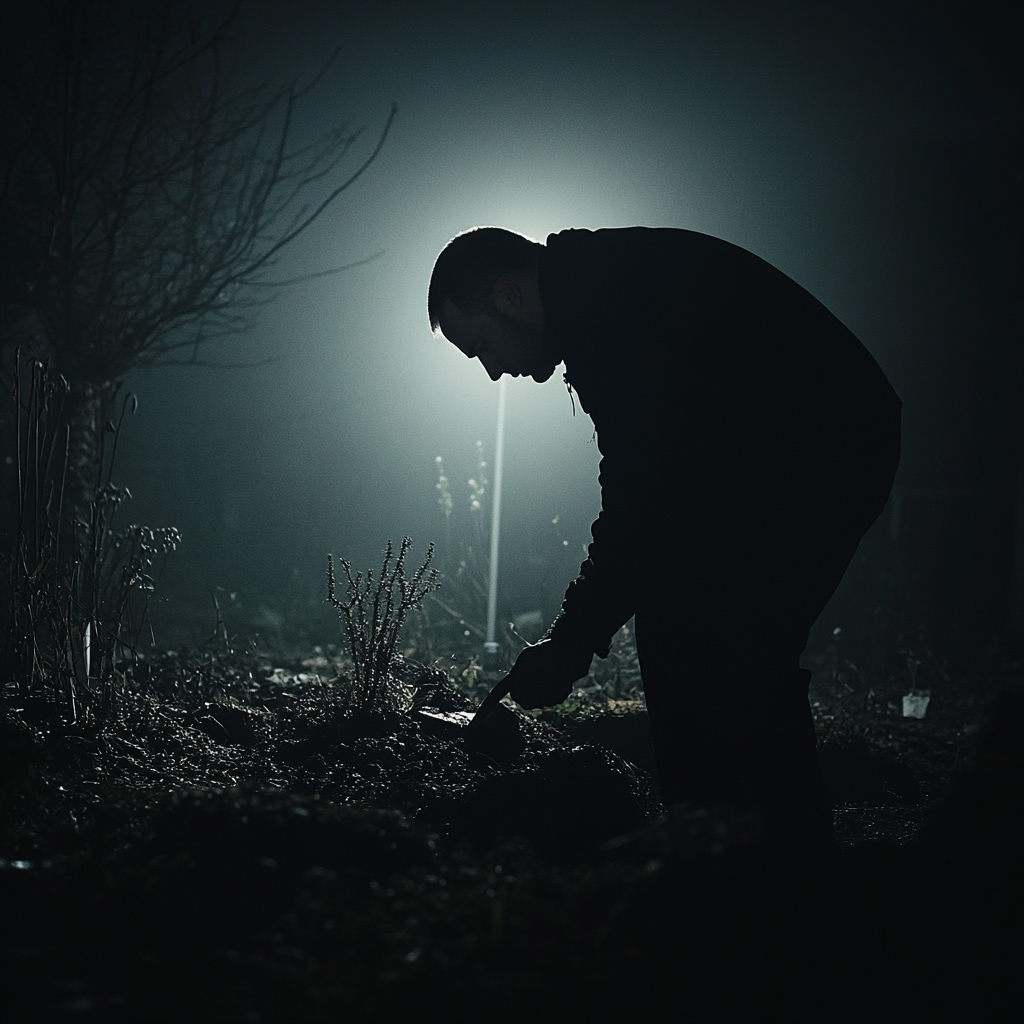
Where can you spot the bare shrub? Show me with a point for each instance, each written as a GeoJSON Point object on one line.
{"type": "Point", "coordinates": [373, 615]}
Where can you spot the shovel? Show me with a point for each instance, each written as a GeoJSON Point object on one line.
{"type": "Point", "coordinates": [492, 730]}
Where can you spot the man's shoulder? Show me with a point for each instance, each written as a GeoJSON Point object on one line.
{"type": "Point", "coordinates": [629, 237]}
{"type": "Point", "coordinates": [646, 253]}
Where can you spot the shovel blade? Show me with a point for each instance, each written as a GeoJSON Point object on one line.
{"type": "Point", "coordinates": [449, 725]}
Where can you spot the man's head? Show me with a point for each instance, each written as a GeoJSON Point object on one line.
{"type": "Point", "coordinates": [484, 299]}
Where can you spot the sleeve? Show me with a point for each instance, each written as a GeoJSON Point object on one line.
{"type": "Point", "coordinates": [595, 606]}
{"type": "Point", "coordinates": [604, 595]}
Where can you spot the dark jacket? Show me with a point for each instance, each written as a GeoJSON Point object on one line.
{"type": "Point", "coordinates": [706, 372]}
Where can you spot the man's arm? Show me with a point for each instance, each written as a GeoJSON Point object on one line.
{"type": "Point", "coordinates": [596, 603]}
{"type": "Point", "coordinates": [604, 594]}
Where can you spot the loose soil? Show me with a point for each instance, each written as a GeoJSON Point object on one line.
{"type": "Point", "coordinates": [234, 841]}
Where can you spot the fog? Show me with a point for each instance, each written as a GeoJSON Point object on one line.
{"type": "Point", "coordinates": [865, 149]}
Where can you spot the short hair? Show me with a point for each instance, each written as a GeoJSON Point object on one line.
{"type": "Point", "coordinates": [471, 262]}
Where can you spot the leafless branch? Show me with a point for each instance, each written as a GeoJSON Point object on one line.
{"type": "Point", "coordinates": [144, 196]}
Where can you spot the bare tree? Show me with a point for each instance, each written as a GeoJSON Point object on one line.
{"type": "Point", "coordinates": [146, 196]}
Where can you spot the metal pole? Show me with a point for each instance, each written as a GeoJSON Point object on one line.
{"type": "Point", "coordinates": [490, 644]}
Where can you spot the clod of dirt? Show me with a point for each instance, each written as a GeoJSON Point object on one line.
{"type": "Point", "coordinates": [227, 724]}
{"type": "Point", "coordinates": [565, 802]}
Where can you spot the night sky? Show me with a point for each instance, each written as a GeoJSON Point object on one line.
{"type": "Point", "coordinates": [871, 151]}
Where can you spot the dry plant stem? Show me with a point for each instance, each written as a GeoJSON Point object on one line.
{"type": "Point", "coordinates": [31, 565]}
{"type": "Point", "coordinates": [69, 612]}
{"type": "Point", "coordinates": [373, 615]}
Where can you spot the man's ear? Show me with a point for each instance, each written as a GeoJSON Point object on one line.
{"type": "Point", "coordinates": [507, 295]}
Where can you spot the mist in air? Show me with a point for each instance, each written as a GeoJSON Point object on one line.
{"type": "Point", "coordinates": [865, 150]}
{"type": "Point", "coordinates": [250, 778]}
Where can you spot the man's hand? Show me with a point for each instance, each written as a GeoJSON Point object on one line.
{"type": "Point", "coordinates": [544, 673]}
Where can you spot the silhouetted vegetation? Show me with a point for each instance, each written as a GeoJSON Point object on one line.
{"type": "Point", "coordinates": [69, 616]}
{"type": "Point", "coordinates": [146, 197]}
{"type": "Point", "coordinates": [373, 616]}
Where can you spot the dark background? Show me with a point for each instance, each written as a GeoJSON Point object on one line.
{"type": "Point", "coordinates": [871, 151]}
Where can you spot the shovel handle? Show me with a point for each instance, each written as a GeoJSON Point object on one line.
{"type": "Point", "coordinates": [499, 690]}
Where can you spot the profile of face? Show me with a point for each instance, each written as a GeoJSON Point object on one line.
{"type": "Point", "coordinates": [508, 339]}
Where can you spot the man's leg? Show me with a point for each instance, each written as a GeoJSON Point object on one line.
{"type": "Point", "coordinates": [730, 718]}
{"type": "Point", "coordinates": [719, 649]}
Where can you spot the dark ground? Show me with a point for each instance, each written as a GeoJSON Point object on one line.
{"type": "Point", "coordinates": [232, 842]}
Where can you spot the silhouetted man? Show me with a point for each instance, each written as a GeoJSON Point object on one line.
{"type": "Point", "coordinates": [748, 442]}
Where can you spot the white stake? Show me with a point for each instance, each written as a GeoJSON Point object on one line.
{"type": "Point", "coordinates": [491, 645]}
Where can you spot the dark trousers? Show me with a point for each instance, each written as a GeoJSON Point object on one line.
{"type": "Point", "coordinates": [720, 641]}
